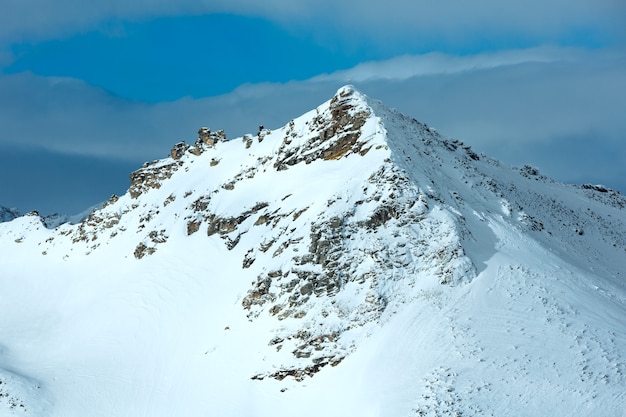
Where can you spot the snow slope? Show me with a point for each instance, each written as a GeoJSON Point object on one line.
{"type": "Point", "coordinates": [353, 262]}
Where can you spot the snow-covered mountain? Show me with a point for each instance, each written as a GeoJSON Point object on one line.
{"type": "Point", "coordinates": [8, 214]}
{"type": "Point", "coordinates": [51, 221]}
{"type": "Point", "coordinates": [353, 262]}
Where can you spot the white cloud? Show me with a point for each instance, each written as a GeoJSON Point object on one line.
{"type": "Point", "coordinates": [409, 66]}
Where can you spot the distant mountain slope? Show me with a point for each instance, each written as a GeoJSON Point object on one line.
{"type": "Point", "coordinates": [50, 221]}
{"type": "Point", "coordinates": [352, 262]}
{"type": "Point", "coordinates": [7, 214]}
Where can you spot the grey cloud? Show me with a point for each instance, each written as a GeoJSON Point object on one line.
{"type": "Point", "coordinates": [586, 157]}
{"type": "Point", "coordinates": [519, 96]}
{"type": "Point", "coordinates": [68, 116]}
{"type": "Point", "coordinates": [563, 114]}
{"type": "Point", "coordinates": [455, 20]}
{"type": "Point", "coordinates": [435, 63]}
{"type": "Point", "coordinates": [451, 19]}
{"type": "Point", "coordinates": [65, 145]}
{"type": "Point", "coordinates": [529, 101]}
{"type": "Point", "coordinates": [49, 182]}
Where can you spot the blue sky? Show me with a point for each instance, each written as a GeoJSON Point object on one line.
{"type": "Point", "coordinates": [90, 91]}
{"type": "Point", "coordinates": [172, 57]}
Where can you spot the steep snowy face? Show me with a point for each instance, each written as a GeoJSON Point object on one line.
{"type": "Point", "coordinates": [303, 242]}
{"type": "Point", "coordinates": [326, 230]}
{"type": "Point", "coordinates": [583, 224]}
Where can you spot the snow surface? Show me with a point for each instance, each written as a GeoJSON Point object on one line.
{"type": "Point", "coordinates": [353, 262]}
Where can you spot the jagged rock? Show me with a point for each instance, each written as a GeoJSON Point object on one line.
{"type": "Point", "coordinates": [142, 250]}
{"type": "Point", "coordinates": [158, 236]}
{"type": "Point", "coordinates": [112, 200]}
{"type": "Point", "coordinates": [599, 188]}
{"type": "Point", "coordinates": [201, 204]}
{"type": "Point", "coordinates": [204, 134]}
{"type": "Point", "coordinates": [208, 138]}
{"type": "Point", "coordinates": [178, 150]}
{"type": "Point", "coordinates": [219, 136]}
{"type": "Point", "coordinates": [193, 226]}
{"type": "Point", "coordinates": [259, 294]}
{"type": "Point", "coordinates": [248, 259]}
{"type": "Point", "coordinates": [335, 135]}
{"type": "Point", "coordinates": [171, 198]}
{"type": "Point", "coordinates": [221, 225]}
{"type": "Point", "coordinates": [150, 176]}
{"type": "Point", "coordinates": [300, 373]}
{"type": "Point", "coordinates": [261, 220]}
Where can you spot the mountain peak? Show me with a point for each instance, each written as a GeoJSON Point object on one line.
{"type": "Point", "coordinates": [349, 90]}
{"type": "Point", "coordinates": [352, 241]}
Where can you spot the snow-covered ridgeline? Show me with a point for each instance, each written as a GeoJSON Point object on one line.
{"type": "Point", "coordinates": [352, 242]}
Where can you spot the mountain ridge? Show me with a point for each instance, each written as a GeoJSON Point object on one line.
{"type": "Point", "coordinates": [8, 214]}
{"type": "Point", "coordinates": [321, 237]}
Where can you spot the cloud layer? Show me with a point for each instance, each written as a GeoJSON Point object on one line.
{"type": "Point", "coordinates": [560, 109]}
{"type": "Point", "coordinates": [37, 19]}
{"type": "Point", "coordinates": [523, 96]}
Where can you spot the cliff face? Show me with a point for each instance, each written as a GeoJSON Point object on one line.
{"type": "Point", "coordinates": [354, 254]}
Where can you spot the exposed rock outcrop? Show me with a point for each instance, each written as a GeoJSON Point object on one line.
{"type": "Point", "coordinates": [150, 176]}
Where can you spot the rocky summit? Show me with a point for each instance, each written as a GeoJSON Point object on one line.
{"type": "Point", "coordinates": [353, 262]}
